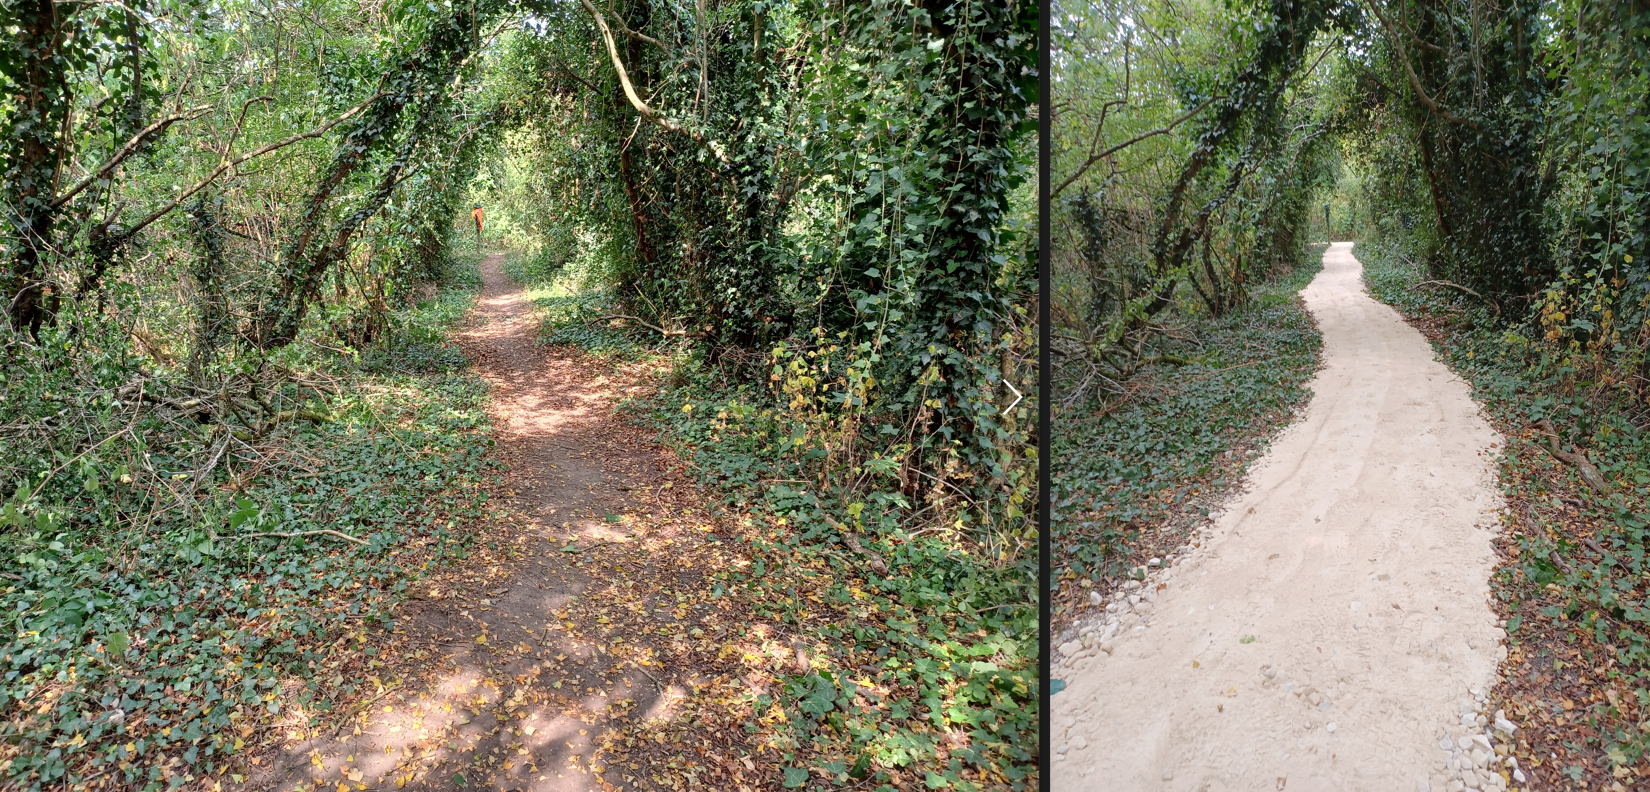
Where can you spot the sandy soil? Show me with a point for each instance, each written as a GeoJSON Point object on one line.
{"type": "Point", "coordinates": [1331, 623]}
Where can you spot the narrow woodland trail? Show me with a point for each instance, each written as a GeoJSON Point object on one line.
{"type": "Point", "coordinates": [510, 669]}
{"type": "Point", "coordinates": [1332, 631]}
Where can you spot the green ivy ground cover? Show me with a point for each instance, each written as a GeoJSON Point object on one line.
{"type": "Point", "coordinates": [144, 650]}
{"type": "Point", "coordinates": [954, 635]}
{"type": "Point", "coordinates": [1572, 585]}
{"type": "Point", "coordinates": [1134, 473]}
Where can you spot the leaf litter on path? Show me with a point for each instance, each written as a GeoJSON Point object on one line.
{"type": "Point", "coordinates": [579, 647]}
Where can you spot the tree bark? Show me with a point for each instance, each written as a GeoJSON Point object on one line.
{"type": "Point", "coordinates": [41, 107]}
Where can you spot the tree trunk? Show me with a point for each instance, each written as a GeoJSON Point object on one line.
{"type": "Point", "coordinates": [41, 105]}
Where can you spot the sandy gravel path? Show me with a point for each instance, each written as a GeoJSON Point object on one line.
{"type": "Point", "coordinates": [1357, 558]}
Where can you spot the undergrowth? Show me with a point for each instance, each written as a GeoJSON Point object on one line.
{"type": "Point", "coordinates": [1136, 472]}
{"type": "Point", "coordinates": [1574, 576]}
{"type": "Point", "coordinates": [951, 633]}
{"type": "Point", "coordinates": [575, 311]}
{"type": "Point", "coordinates": [935, 628]}
{"type": "Point", "coordinates": [153, 627]}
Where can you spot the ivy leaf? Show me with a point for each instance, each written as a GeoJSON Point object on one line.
{"type": "Point", "coordinates": [246, 511]}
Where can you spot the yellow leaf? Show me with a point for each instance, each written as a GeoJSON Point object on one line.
{"type": "Point", "coordinates": [481, 639]}
{"type": "Point", "coordinates": [342, 787]}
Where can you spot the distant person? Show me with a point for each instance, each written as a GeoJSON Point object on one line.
{"type": "Point", "coordinates": [476, 213]}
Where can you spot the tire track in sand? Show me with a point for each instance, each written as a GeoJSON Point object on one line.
{"type": "Point", "coordinates": [1358, 557]}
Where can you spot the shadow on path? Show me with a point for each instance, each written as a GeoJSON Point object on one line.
{"type": "Point", "coordinates": [518, 664]}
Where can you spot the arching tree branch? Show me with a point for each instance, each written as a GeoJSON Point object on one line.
{"type": "Point", "coordinates": [636, 101]}
{"type": "Point", "coordinates": [1125, 144]}
{"type": "Point", "coordinates": [126, 151]}
{"type": "Point", "coordinates": [1414, 79]}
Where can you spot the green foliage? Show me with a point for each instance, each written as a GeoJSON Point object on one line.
{"type": "Point", "coordinates": [1181, 173]}
{"type": "Point", "coordinates": [1184, 181]}
{"type": "Point", "coordinates": [1513, 165]}
{"type": "Point", "coordinates": [952, 632]}
{"type": "Point", "coordinates": [822, 206]}
{"type": "Point", "coordinates": [416, 340]}
{"type": "Point", "coordinates": [942, 96]}
{"type": "Point", "coordinates": [1466, 85]}
{"type": "Point", "coordinates": [1595, 313]}
{"type": "Point", "coordinates": [1578, 593]}
{"type": "Point", "coordinates": [582, 320]}
{"type": "Point", "coordinates": [1165, 453]}
{"type": "Point", "coordinates": [148, 612]}
{"type": "Point", "coordinates": [856, 171]}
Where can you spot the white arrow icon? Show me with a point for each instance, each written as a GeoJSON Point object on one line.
{"type": "Point", "coordinates": [1017, 395]}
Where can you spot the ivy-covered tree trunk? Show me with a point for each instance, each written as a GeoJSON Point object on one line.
{"type": "Point", "coordinates": [420, 79]}
{"type": "Point", "coordinates": [739, 253]}
{"type": "Point", "coordinates": [987, 71]}
{"type": "Point", "coordinates": [1477, 95]}
{"type": "Point", "coordinates": [40, 106]}
{"type": "Point", "coordinates": [210, 303]}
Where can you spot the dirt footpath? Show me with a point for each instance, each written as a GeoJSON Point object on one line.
{"type": "Point", "coordinates": [1331, 630]}
{"type": "Point", "coordinates": [564, 660]}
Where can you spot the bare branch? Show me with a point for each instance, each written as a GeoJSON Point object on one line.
{"type": "Point", "coordinates": [1125, 144]}
{"type": "Point", "coordinates": [289, 535]}
{"type": "Point", "coordinates": [126, 151]}
{"type": "Point", "coordinates": [231, 163]}
{"type": "Point", "coordinates": [1487, 301]}
{"type": "Point", "coordinates": [636, 101]}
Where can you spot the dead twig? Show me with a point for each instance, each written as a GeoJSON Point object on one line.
{"type": "Point", "coordinates": [848, 538]}
{"type": "Point", "coordinates": [655, 328]}
{"type": "Point", "coordinates": [655, 679]}
{"type": "Point", "coordinates": [1487, 301]}
{"type": "Point", "coordinates": [1574, 457]}
{"type": "Point", "coordinates": [357, 709]}
{"type": "Point", "coordinates": [291, 534]}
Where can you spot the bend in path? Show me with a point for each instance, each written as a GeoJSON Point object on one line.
{"type": "Point", "coordinates": [1327, 632]}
